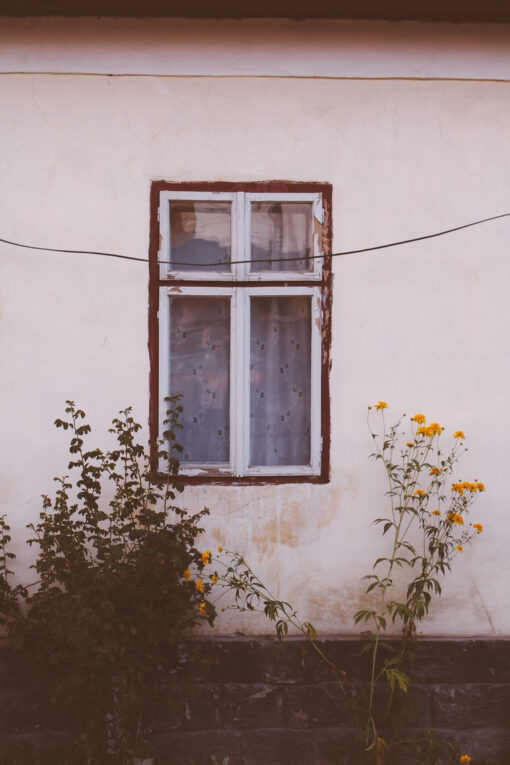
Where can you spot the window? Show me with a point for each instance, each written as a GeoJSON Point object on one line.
{"type": "Point", "coordinates": [240, 325]}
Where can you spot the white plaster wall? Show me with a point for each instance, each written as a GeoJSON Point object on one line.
{"type": "Point", "coordinates": [256, 47]}
{"type": "Point", "coordinates": [423, 327]}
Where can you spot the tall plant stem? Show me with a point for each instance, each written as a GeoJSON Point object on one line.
{"type": "Point", "coordinates": [378, 624]}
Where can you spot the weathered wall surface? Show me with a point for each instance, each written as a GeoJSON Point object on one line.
{"type": "Point", "coordinates": [423, 327]}
{"type": "Point", "coordinates": [251, 702]}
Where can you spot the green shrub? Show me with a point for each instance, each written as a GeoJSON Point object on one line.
{"type": "Point", "coordinates": [113, 597]}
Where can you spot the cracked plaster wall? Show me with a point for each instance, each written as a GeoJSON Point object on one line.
{"type": "Point", "coordinates": [423, 327]}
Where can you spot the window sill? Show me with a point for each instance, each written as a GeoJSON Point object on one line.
{"type": "Point", "coordinates": [224, 479]}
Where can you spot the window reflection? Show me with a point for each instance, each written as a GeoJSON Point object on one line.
{"type": "Point", "coordinates": [282, 233]}
{"type": "Point", "coordinates": [200, 234]}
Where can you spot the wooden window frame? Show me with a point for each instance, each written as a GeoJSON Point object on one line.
{"type": "Point", "coordinates": [317, 283]}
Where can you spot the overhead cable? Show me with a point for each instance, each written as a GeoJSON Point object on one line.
{"type": "Point", "coordinates": [262, 260]}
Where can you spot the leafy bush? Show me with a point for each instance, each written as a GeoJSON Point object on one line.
{"type": "Point", "coordinates": [113, 595]}
{"type": "Point", "coordinates": [427, 526]}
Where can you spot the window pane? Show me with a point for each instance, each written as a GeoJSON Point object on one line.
{"type": "Point", "coordinates": [281, 230]}
{"type": "Point", "coordinates": [280, 364]}
{"type": "Point", "coordinates": [200, 235]}
{"type": "Point", "coordinates": [200, 372]}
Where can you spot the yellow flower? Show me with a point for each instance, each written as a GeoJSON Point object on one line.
{"type": "Point", "coordinates": [434, 429]}
{"type": "Point", "coordinates": [465, 759]}
{"type": "Point", "coordinates": [410, 444]}
{"type": "Point", "coordinates": [200, 586]}
{"type": "Point", "coordinates": [459, 487]}
{"type": "Point", "coordinates": [459, 548]}
{"type": "Point", "coordinates": [214, 578]}
{"type": "Point", "coordinates": [206, 557]}
{"type": "Point", "coordinates": [381, 405]}
{"type": "Point", "coordinates": [186, 575]}
{"type": "Point", "coordinates": [419, 418]}
{"type": "Point", "coordinates": [203, 609]}
{"type": "Point", "coordinates": [220, 548]}
{"type": "Point", "coordinates": [460, 434]}
{"type": "Point", "coordinates": [480, 486]}
{"type": "Point", "coordinates": [435, 471]}
{"type": "Point", "coordinates": [419, 493]}
{"type": "Point", "coordinates": [455, 518]}
{"type": "Point", "coordinates": [478, 527]}
{"type": "Point", "coordinates": [436, 512]}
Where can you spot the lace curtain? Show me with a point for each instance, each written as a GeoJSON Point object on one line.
{"type": "Point", "coordinates": [200, 372]}
{"type": "Point", "coordinates": [280, 363]}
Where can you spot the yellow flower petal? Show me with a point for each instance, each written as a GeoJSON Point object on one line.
{"type": "Point", "coordinates": [206, 557]}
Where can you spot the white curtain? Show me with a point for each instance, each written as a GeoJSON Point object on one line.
{"type": "Point", "coordinates": [200, 372]}
{"type": "Point", "coordinates": [280, 365]}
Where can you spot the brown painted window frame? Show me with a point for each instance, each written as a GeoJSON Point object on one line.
{"type": "Point", "coordinates": [155, 284]}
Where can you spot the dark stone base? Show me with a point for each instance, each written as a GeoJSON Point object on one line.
{"type": "Point", "coordinates": [260, 702]}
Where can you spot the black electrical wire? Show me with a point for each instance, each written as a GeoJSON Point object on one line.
{"type": "Point", "coordinates": [264, 260]}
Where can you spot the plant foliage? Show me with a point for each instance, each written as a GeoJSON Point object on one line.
{"type": "Point", "coordinates": [112, 600]}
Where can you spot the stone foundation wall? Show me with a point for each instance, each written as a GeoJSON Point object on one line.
{"type": "Point", "coordinates": [260, 702]}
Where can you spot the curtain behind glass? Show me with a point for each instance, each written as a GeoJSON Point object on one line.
{"type": "Point", "coordinates": [282, 233]}
{"type": "Point", "coordinates": [280, 395]}
{"type": "Point", "coordinates": [200, 372]}
{"type": "Point", "coordinates": [200, 235]}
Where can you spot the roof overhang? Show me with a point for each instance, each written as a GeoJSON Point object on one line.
{"type": "Point", "coordinates": [390, 10]}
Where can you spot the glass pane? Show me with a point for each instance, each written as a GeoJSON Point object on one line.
{"type": "Point", "coordinates": [200, 236]}
{"type": "Point", "coordinates": [280, 366]}
{"type": "Point", "coordinates": [200, 372]}
{"type": "Point", "coordinates": [281, 230]}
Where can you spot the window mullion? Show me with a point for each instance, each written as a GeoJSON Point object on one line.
{"type": "Point", "coordinates": [238, 339]}
{"type": "Point", "coordinates": [238, 379]}
{"type": "Point", "coordinates": [239, 251]}
{"type": "Point", "coordinates": [315, 380]}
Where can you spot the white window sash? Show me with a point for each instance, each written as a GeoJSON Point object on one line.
{"type": "Point", "coordinates": [240, 378]}
{"type": "Point", "coordinates": [166, 293]}
{"type": "Point", "coordinates": [314, 467]}
{"type": "Point", "coordinates": [168, 273]}
{"type": "Point", "coordinates": [285, 276]}
{"type": "Point", "coordinates": [239, 414]}
{"type": "Point", "coordinates": [240, 237]}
